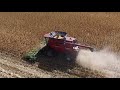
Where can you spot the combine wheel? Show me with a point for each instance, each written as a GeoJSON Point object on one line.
{"type": "Point", "coordinates": [68, 57]}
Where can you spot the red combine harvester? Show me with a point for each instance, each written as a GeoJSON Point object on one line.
{"type": "Point", "coordinates": [58, 42]}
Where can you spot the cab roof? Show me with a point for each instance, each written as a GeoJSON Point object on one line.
{"type": "Point", "coordinates": [63, 34]}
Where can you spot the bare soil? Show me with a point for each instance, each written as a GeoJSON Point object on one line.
{"type": "Point", "coordinates": [22, 31]}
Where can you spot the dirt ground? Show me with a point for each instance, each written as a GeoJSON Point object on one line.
{"type": "Point", "coordinates": [22, 31]}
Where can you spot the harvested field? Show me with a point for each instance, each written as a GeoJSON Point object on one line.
{"type": "Point", "coordinates": [22, 31]}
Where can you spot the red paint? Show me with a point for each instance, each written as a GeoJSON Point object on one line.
{"type": "Point", "coordinates": [63, 45]}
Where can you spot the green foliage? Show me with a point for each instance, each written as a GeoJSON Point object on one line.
{"type": "Point", "coordinates": [31, 55]}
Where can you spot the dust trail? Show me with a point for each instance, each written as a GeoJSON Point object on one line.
{"type": "Point", "coordinates": [104, 61]}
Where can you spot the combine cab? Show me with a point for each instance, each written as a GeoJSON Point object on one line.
{"type": "Point", "coordinates": [58, 42]}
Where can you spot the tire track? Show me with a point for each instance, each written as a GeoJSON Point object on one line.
{"type": "Point", "coordinates": [7, 66]}
{"type": "Point", "coordinates": [6, 73]}
{"type": "Point", "coordinates": [11, 67]}
{"type": "Point", "coordinates": [16, 68]}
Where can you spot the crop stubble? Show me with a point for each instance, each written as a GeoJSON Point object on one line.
{"type": "Point", "coordinates": [22, 31]}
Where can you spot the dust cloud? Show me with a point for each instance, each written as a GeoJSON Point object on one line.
{"type": "Point", "coordinates": [105, 61]}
